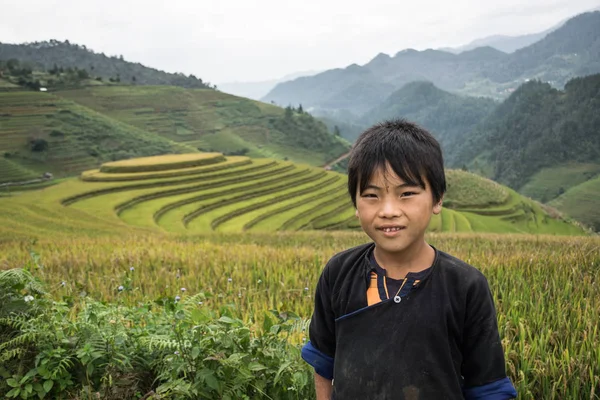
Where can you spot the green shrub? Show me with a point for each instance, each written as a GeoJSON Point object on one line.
{"type": "Point", "coordinates": [172, 348]}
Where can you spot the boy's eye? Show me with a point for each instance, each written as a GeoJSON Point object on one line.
{"type": "Point", "coordinates": [405, 194]}
{"type": "Point", "coordinates": [369, 195]}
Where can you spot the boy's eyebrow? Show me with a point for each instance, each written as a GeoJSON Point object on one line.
{"type": "Point", "coordinates": [401, 186]}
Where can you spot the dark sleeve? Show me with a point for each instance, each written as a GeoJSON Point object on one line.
{"type": "Point", "coordinates": [483, 366]}
{"type": "Point", "coordinates": [320, 350]}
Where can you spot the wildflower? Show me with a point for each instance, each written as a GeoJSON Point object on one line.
{"type": "Point", "coordinates": [120, 288]}
{"type": "Point", "coordinates": [177, 298]}
{"type": "Point", "coordinates": [183, 289]}
{"type": "Point", "coordinates": [303, 339]}
{"type": "Point", "coordinates": [63, 284]}
{"type": "Point", "coordinates": [229, 280]}
{"type": "Point", "coordinates": [176, 353]}
{"type": "Point", "coordinates": [306, 289]}
{"type": "Point", "coordinates": [131, 269]}
{"type": "Point", "coordinates": [200, 303]}
{"type": "Point", "coordinates": [259, 281]}
{"type": "Point", "coordinates": [28, 298]}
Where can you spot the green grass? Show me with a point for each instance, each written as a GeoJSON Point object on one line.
{"type": "Point", "coordinates": [119, 200]}
{"type": "Point", "coordinates": [581, 203]}
{"type": "Point", "coordinates": [97, 176]}
{"type": "Point", "coordinates": [549, 183]}
{"type": "Point", "coordinates": [168, 162]}
{"type": "Point", "coordinates": [276, 216]}
{"type": "Point", "coordinates": [210, 216]}
{"type": "Point", "coordinates": [6, 84]}
{"type": "Point", "coordinates": [467, 190]}
{"type": "Point", "coordinates": [304, 214]}
{"type": "Point", "coordinates": [151, 211]}
{"type": "Point", "coordinates": [270, 211]}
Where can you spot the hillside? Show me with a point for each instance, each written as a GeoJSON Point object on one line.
{"type": "Point", "coordinates": [41, 132]}
{"type": "Point", "coordinates": [50, 54]}
{"type": "Point", "coordinates": [537, 127]}
{"type": "Point", "coordinates": [570, 51]}
{"type": "Point", "coordinates": [541, 141]}
{"type": "Point", "coordinates": [448, 116]}
{"type": "Point", "coordinates": [198, 193]}
{"type": "Point", "coordinates": [581, 202]}
{"type": "Point", "coordinates": [209, 120]}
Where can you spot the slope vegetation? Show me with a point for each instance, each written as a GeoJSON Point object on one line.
{"type": "Point", "coordinates": [213, 121]}
{"type": "Point", "coordinates": [53, 53]}
{"type": "Point", "coordinates": [43, 132]}
{"type": "Point", "coordinates": [242, 194]}
{"type": "Point", "coordinates": [535, 128]}
{"type": "Point", "coordinates": [581, 203]}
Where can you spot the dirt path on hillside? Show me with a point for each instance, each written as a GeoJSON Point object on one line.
{"type": "Point", "coordinates": [337, 160]}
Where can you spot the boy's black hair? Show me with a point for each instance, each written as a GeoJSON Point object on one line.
{"type": "Point", "coordinates": [411, 151]}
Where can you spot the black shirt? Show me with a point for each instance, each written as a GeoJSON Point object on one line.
{"type": "Point", "coordinates": [440, 341]}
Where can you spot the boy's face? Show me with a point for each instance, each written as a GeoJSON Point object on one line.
{"type": "Point", "coordinates": [394, 214]}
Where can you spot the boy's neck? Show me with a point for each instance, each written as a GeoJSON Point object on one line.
{"type": "Point", "coordinates": [414, 259]}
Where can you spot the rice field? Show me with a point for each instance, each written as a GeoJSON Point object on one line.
{"type": "Point", "coordinates": [241, 238]}
{"type": "Point", "coordinates": [208, 192]}
{"type": "Point", "coordinates": [545, 288]}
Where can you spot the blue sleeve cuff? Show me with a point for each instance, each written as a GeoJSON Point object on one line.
{"type": "Point", "coordinates": [322, 363]}
{"type": "Point", "coordinates": [501, 389]}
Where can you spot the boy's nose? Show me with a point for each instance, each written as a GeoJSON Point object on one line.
{"type": "Point", "coordinates": [389, 209]}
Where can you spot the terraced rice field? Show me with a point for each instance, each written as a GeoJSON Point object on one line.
{"type": "Point", "coordinates": [208, 120]}
{"type": "Point", "coordinates": [12, 172]}
{"type": "Point", "coordinates": [76, 137]}
{"type": "Point", "coordinates": [233, 194]}
{"type": "Point", "coordinates": [581, 202]}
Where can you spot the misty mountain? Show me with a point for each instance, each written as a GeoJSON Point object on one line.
{"type": "Point", "coordinates": [506, 43]}
{"type": "Point", "coordinates": [570, 51]}
{"type": "Point", "coordinates": [53, 53]}
{"type": "Point", "coordinates": [449, 117]}
{"type": "Point", "coordinates": [258, 89]}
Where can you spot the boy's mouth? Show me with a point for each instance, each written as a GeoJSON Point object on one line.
{"type": "Point", "coordinates": [391, 228]}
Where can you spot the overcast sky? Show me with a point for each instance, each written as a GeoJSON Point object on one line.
{"type": "Point", "coordinates": [245, 40]}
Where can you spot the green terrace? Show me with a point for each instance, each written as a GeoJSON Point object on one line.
{"type": "Point", "coordinates": [172, 194]}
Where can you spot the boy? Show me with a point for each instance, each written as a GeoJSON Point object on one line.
{"type": "Point", "coordinates": [397, 318]}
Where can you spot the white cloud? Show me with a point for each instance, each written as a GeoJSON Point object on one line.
{"type": "Point", "coordinates": [227, 40]}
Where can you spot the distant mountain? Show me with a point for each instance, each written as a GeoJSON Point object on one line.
{"type": "Point", "coordinates": [258, 89]}
{"type": "Point", "coordinates": [448, 116]}
{"type": "Point", "coordinates": [504, 43]}
{"type": "Point", "coordinates": [570, 51]}
{"type": "Point", "coordinates": [507, 43]}
{"type": "Point", "coordinates": [53, 53]}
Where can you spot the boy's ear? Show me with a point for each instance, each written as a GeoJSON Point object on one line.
{"type": "Point", "coordinates": [437, 208]}
{"type": "Point", "coordinates": [356, 212]}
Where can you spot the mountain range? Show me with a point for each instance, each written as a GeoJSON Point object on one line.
{"type": "Point", "coordinates": [569, 51]}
